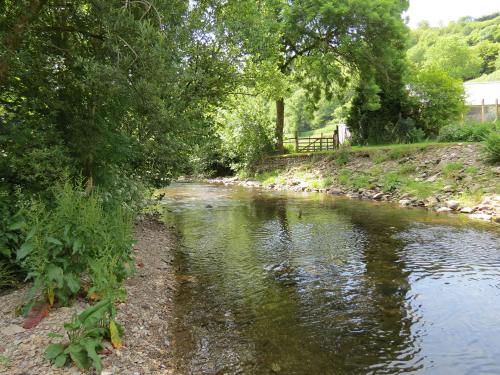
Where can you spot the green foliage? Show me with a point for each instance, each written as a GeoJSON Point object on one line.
{"type": "Point", "coordinates": [453, 56]}
{"type": "Point", "coordinates": [492, 147]}
{"type": "Point", "coordinates": [73, 238]}
{"type": "Point", "coordinates": [465, 132]}
{"type": "Point", "coordinates": [465, 49]}
{"type": "Point", "coordinates": [86, 333]}
{"type": "Point", "coordinates": [436, 99]}
{"type": "Point", "coordinates": [246, 132]}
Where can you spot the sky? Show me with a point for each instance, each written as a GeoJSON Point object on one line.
{"type": "Point", "coordinates": [436, 11]}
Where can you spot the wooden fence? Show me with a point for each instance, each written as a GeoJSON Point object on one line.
{"type": "Point", "coordinates": [310, 144]}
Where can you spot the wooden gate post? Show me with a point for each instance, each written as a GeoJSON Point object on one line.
{"type": "Point", "coordinates": [321, 142]}
{"type": "Point", "coordinates": [296, 141]}
{"type": "Point", "coordinates": [482, 110]}
{"type": "Point", "coordinates": [497, 111]}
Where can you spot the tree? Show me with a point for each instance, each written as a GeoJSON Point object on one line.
{"type": "Point", "coordinates": [108, 89]}
{"type": "Point", "coordinates": [315, 43]}
{"type": "Point", "coordinates": [454, 56]}
{"type": "Point", "coordinates": [437, 99]}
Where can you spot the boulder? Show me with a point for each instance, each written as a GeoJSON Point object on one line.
{"type": "Point", "coordinates": [467, 210]}
{"type": "Point", "coordinates": [444, 209]}
{"type": "Point", "coordinates": [453, 205]}
{"type": "Point", "coordinates": [480, 216]}
{"type": "Point", "coordinates": [405, 202]}
{"type": "Point", "coordinates": [378, 196]}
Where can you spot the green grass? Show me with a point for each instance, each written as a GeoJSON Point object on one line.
{"type": "Point", "coordinates": [471, 170]}
{"type": "Point", "coordinates": [395, 150]}
{"type": "Point", "coordinates": [321, 183]}
{"type": "Point", "coordinates": [267, 178]}
{"type": "Point", "coordinates": [452, 170]}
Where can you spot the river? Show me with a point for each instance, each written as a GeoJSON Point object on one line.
{"type": "Point", "coordinates": [287, 283]}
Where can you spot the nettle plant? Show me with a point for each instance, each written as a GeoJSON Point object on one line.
{"type": "Point", "coordinates": [86, 333]}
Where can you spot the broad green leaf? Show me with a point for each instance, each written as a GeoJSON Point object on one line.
{"type": "Point", "coordinates": [60, 360]}
{"type": "Point", "coordinates": [53, 350]}
{"type": "Point", "coordinates": [25, 249]}
{"type": "Point", "coordinates": [16, 226]}
{"type": "Point", "coordinates": [97, 309]}
{"type": "Point", "coordinates": [90, 346]}
{"type": "Point", "coordinates": [77, 246]}
{"type": "Point", "coordinates": [79, 355]}
{"type": "Point", "coordinates": [55, 274]}
{"type": "Point", "coordinates": [72, 282]}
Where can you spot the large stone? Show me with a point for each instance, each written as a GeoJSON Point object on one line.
{"type": "Point", "coordinates": [378, 196]}
{"type": "Point", "coordinates": [11, 330]}
{"type": "Point", "coordinates": [480, 216]}
{"type": "Point", "coordinates": [453, 205]}
{"type": "Point", "coordinates": [405, 202]}
{"type": "Point", "coordinates": [433, 178]}
{"type": "Point", "coordinates": [467, 210]}
{"type": "Point", "coordinates": [444, 209]}
{"type": "Point", "coordinates": [448, 189]}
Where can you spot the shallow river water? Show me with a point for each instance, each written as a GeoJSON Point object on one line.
{"type": "Point", "coordinates": [277, 283]}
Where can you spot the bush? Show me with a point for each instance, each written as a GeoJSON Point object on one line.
{"type": "Point", "coordinates": [492, 147]}
{"type": "Point", "coordinates": [76, 239]}
{"type": "Point", "coordinates": [436, 98]}
{"type": "Point", "coordinates": [466, 132]}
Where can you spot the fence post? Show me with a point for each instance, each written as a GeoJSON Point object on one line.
{"type": "Point", "coordinates": [296, 141]}
{"type": "Point", "coordinates": [482, 110]}
{"type": "Point", "coordinates": [497, 111]}
{"type": "Point", "coordinates": [321, 142]}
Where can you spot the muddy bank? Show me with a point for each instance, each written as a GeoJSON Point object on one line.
{"type": "Point", "coordinates": [444, 178]}
{"type": "Point", "coordinates": [145, 316]}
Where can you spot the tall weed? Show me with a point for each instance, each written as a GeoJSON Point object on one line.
{"type": "Point", "coordinates": [73, 240]}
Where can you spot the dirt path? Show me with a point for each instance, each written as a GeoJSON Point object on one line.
{"type": "Point", "coordinates": [145, 316]}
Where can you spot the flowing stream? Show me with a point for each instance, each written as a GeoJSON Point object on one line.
{"type": "Point", "coordinates": [281, 283]}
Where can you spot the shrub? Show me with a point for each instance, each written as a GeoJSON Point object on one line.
{"type": "Point", "coordinates": [466, 132]}
{"type": "Point", "coordinates": [343, 155]}
{"type": "Point", "coordinates": [492, 147]}
{"type": "Point", "coordinates": [75, 238]}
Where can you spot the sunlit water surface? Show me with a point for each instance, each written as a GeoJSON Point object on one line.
{"type": "Point", "coordinates": [276, 283]}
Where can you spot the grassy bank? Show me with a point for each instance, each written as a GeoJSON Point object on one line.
{"type": "Point", "coordinates": [426, 174]}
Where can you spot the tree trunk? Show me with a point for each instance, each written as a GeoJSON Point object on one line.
{"type": "Point", "coordinates": [280, 122]}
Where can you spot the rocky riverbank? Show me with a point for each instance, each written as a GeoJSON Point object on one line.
{"type": "Point", "coordinates": [444, 178]}
{"type": "Point", "coordinates": [145, 316]}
